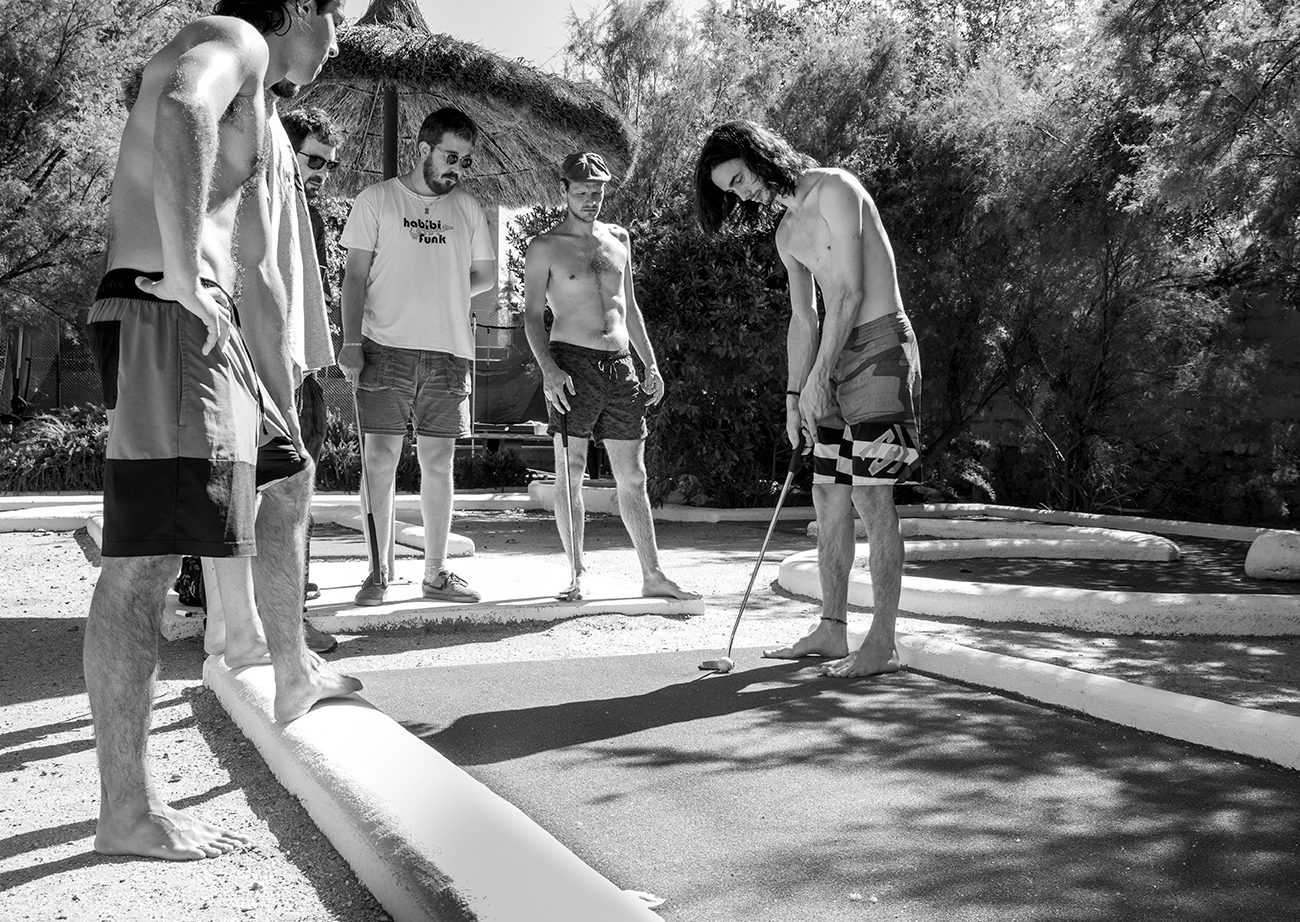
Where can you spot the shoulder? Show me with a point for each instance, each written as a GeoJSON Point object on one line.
{"type": "Point", "coordinates": [617, 231]}
{"type": "Point", "coordinates": [467, 202]}
{"type": "Point", "coordinates": [228, 31]}
{"type": "Point", "coordinates": [542, 246]}
{"type": "Point", "coordinates": [831, 185]}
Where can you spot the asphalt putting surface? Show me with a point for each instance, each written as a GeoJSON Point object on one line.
{"type": "Point", "coordinates": [774, 794]}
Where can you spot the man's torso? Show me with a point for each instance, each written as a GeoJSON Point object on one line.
{"type": "Point", "coordinates": [587, 289]}
{"type": "Point", "coordinates": [135, 237]}
{"type": "Point", "coordinates": [805, 234]}
{"type": "Point", "coordinates": [418, 289]}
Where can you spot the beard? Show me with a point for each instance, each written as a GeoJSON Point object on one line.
{"type": "Point", "coordinates": [440, 185]}
{"type": "Point", "coordinates": [285, 89]}
{"type": "Point", "coordinates": [311, 189]}
{"type": "Point", "coordinates": [585, 217]}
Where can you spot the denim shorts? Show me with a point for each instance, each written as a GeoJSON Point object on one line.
{"type": "Point", "coordinates": [429, 390]}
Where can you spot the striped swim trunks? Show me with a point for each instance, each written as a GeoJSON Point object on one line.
{"type": "Point", "coordinates": [190, 439]}
{"type": "Point", "coordinates": [872, 438]}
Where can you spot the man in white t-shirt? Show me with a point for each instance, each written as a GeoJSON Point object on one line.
{"type": "Point", "coordinates": [419, 248]}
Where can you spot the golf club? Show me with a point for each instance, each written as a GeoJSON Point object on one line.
{"type": "Point", "coordinates": [726, 664]}
{"type": "Point", "coordinates": [376, 571]}
{"type": "Point", "coordinates": [568, 501]}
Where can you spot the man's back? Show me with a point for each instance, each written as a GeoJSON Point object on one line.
{"type": "Point", "coordinates": [136, 239]}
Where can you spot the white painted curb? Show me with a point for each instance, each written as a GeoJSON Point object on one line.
{"type": "Point", "coordinates": [1245, 731]}
{"type": "Point", "coordinates": [403, 532]}
{"type": "Point", "coordinates": [426, 839]}
{"type": "Point", "coordinates": [1106, 612]}
{"type": "Point", "coordinates": [1123, 522]}
{"type": "Point", "coordinates": [983, 538]}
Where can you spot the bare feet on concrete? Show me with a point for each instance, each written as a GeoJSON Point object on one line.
{"type": "Point", "coordinates": [295, 696]}
{"type": "Point", "coordinates": [242, 652]}
{"type": "Point", "coordinates": [164, 833]}
{"type": "Point", "coordinates": [573, 593]}
{"type": "Point", "coordinates": [657, 586]}
{"type": "Point", "coordinates": [867, 661]}
{"type": "Point", "coordinates": [828, 638]}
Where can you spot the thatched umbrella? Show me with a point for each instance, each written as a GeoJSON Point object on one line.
{"type": "Point", "coordinates": [392, 71]}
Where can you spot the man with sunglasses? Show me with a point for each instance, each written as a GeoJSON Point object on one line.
{"type": "Point", "coordinates": [419, 248]}
{"type": "Point", "coordinates": [314, 138]}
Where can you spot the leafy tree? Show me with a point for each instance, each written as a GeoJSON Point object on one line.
{"type": "Point", "coordinates": [63, 68]}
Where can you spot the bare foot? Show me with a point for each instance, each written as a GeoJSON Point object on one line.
{"type": "Point", "coordinates": [571, 594]}
{"type": "Point", "coordinates": [253, 652]}
{"type": "Point", "coordinates": [864, 663]}
{"type": "Point", "coordinates": [828, 638]}
{"type": "Point", "coordinates": [165, 833]}
{"type": "Point", "coordinates": [658, 586]}
{"type": "Point", "coordinates": [295, 698]}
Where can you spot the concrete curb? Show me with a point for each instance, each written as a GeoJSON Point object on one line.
{"type": "Point", "coordinates": [426, 839]}
{"type": "Point", "coordinates": [1244, 731]}
{"type": "Point", "coordinates": [1138, 613]}
{"type": "Point", "coordinates": [403, 532]}
{"type": "Point", "coordinates": [605, 499]}
{"type": "Point", "coordinates": [982, 538]}
{"type": "Point", "coordinates": [1122, 522]}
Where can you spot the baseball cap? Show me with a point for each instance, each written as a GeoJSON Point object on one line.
{"type": "Point", "coordinates": [585, 167]}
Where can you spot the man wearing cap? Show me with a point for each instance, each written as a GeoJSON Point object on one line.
{"type": "Point", "coordinates": [419, 248]}
{"type": "Point", "coordinates": [583, 268]}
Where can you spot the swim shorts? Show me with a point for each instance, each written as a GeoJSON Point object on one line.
{"type": "Point", "coordinates": [608, 402]}
{"type": "Point", "coordinates": [428, 388]}
{"type": "Point", "coordinates": [872, 437]}
{"type": "Point", "coordinates": [190, 439]}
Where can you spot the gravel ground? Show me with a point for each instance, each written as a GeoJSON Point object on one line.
{"type": "Point", "coordinates": [290, 872]}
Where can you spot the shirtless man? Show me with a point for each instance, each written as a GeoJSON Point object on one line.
{"type": "Point", "coordinates": [852, 391]}
{"type": "Point", "coordinates": [584, 269]}
{"type": "Point", "coordinates": [189, 440]}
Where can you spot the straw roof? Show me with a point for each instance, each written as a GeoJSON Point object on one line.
{"type": "Point", "coordinates": [530, 120]}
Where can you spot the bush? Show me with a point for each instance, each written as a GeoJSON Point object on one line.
{"type": "Point", "coordinates": [717, 312]}
{"type": "Point", "coordinates": [62, 450]}
{"type": "Point", "coordinates": [339, 468]}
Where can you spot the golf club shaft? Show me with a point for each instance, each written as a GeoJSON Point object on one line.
{"type": "Point", "coordinates": [372, 534]}
{"type": "Point", "coordinates": [568, 496]}
{"type": "Point", "coordinates": [789, 479]}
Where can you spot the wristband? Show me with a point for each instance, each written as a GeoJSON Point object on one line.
{"type": "Point", "coordinates": [792, 393]}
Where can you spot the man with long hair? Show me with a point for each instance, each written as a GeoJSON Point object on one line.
{"type": "Point", "coordinates": [192, 439]}
{"type": "Point", "coordinates": [852, 387]}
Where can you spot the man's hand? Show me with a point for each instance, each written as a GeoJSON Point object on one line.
{"type": "Point", "coordinates": [200, 301]}
{"type": "Point", "coordinates": [653, 384]}
{"type": "Point", "coordinates": [814, 404]}
{"type": "Point", "coordinates": [351, 361]}
{"type": "Point", "coordinates": [556, 388]}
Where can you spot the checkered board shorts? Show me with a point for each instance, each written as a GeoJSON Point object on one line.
{"type": "Point", "coordinates": [869, 453]}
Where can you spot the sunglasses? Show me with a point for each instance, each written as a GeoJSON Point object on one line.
{"type": "Point", "coordinates": [451, 158]}
{"type": "Point", "coordinates": [316, 161]}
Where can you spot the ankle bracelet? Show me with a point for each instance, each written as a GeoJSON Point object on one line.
{"type": "Point", "coordinates": [836, 620]}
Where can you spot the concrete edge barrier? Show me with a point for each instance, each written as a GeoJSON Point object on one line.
{"type": "Point", "coordinates": [404, 532]}
{"type": "Point", "coordinates": [426, 839]}
{"type": "Point", "coordinates": [1124, 613]}
{"type": "Point", "coordinates": [1226, 727]}
{"type": "Point", "coordinates": [402, 615]}
{"type": "Point", "coordinates": [1123, 522]}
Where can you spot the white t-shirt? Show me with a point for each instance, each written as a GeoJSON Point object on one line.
{"type": "Point", "coordinates": [417, 293]}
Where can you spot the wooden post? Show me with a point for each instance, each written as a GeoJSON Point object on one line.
{"type": "Point", "coordinates": [390, 132]}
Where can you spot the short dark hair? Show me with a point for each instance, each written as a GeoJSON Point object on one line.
{"type": "Point", "coordinates": [444, 120]}
{"type": "Point", "coordinates": [308, 121]}
{"type": "Point", "coordinates": [764, 151]}
{"type": "Point", "coordinates": [263, 15]}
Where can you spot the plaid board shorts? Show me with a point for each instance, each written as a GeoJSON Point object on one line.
{"type": "Point", "coordinates": [608, 402]}
{"type": "Point", "coordinates": [872, 438]}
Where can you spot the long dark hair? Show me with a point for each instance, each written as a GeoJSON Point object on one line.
{"type": "Point", "coordinates": [266, 16]}
{"type": "Point", "coordinates": [764, 151]}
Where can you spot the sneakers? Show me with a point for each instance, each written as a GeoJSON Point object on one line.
{"type": "Point", "coordinates": [318, 641]}
{"type": "Point", "coordinates": [372, 593]}
{"type": "Point", "coordinates": [448, 587]}
{"type": "Point", "coordinates": [310, 591]}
